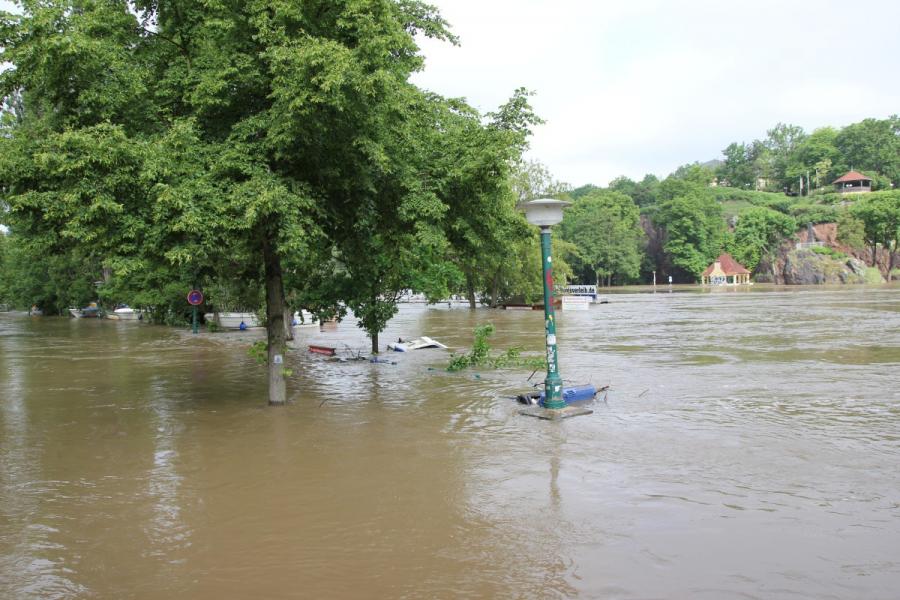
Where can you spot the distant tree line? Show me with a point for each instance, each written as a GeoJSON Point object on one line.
{"type": "Point", "coordinates": [788, 154]}
{"type": "Point", "coordinates": [747, 204]}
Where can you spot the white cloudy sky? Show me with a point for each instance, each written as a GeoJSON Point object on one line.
{"type": "Point", "coordinates": [629, 87]}
{"type": "Point", "coordinates": [637, 86]}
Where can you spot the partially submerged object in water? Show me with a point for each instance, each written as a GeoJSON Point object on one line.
{"type": "Point", "coordinates": [571, 395]}
{"type": "Point", "coordinates": [416, 344]}
{"type": "Point", "coordinates": [326, 350]}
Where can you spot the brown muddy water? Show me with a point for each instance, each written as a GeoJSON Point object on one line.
{"type": "Point", "coordinates": [749, 448]}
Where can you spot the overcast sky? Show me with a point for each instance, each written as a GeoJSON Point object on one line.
{"type": "Point", "coordinates": [629, 87]}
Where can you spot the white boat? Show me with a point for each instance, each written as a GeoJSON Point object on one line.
{"type": "Point", "coordinates": [233, 320]}
{"type": "Point", "coordinates": [304, 318]}
{"type": "Point", "coordinates": [125, 313]}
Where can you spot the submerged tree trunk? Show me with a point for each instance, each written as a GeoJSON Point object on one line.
{"type": "Point", "coordinates": [890, 264]}
{"type": "Point", "coordinates": [495, 289]}
{"type": "Point", "coordinates": [275, 326]}
{"type": "Point", "coordinates": [470, 289]}
{"type": "Point", "coordinates": [373, 334]}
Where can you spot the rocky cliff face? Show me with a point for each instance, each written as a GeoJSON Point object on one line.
{"type": "Point", "coordinates": [805, 267]}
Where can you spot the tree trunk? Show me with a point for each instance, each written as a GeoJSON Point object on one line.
{"type": "Point", "coordinates": [495, 289]}
{"type": "Point", "coordinates": [275, 327]}
{"type": "Point", "coordinates": [288, 324]}
{"type": "Point", "coordinates": [470, 290]}
{"type": "Point", "coordinates": [890, 263]}
{"type": "Point", "coordinates": [374, 342]}
{"type": "Point", "coordinates": [875, 254]}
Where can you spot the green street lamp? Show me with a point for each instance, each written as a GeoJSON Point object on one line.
{"type": "Point", "coordinates": [545, 213]}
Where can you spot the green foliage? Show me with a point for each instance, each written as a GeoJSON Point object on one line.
{"type": "Point", "coordinates": [880, 216]}
{"type": "Point", "coordinates": [737, 171]}
{"type": "Point", "coordinates": [830, 252]}
{"type": "Point", "coordinates": [181, 144]}
{"type": "Point", "coordinates": [35, 275]}
{"type": "Point", "coordinates": [873, 276]}
{"type": "Point", "coordinates": [694, 230]}
{"type": "Point", "coordinates": [782, 141]}
{"type": "Point", "coordinates": [605, 229]}
{"type": "Point", "coordinates": [480, 355]}
{"type": "Point", "coordinates": [814, 213]}
{"type": "Point", "coordinates": [872, 144]}
{"type": "Point", "coordinates": [758, 234]}
{"type": "Point", "coordinates": [850, 230]}
{"type": "Point", "coordinates": [775, 201]}
{"type": "Point", "coordinates": [259, 351]}
{"type": "Point", "coordinates": [643, 193]}
{"type": "Point", "coordinates": [5, 270]}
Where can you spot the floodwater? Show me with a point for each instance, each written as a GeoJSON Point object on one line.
{"type": "Point", "coordinates": [748, 448]}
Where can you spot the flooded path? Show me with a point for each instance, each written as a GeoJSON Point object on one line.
{"type": "Point", "coordinates": [749, 448]}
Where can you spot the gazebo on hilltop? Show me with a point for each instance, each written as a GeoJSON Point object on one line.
{"type": "Point", "coordinates": [725, 271]}
{"type": "Point", "coordinates": [853, 182]}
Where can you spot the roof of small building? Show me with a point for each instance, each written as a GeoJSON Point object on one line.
{"type": "Point", "coordinates": [729, 266]}
{"type": "Point", "coordinates": [852, 176]}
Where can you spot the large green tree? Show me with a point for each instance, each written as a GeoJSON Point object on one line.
{"type": "Point", "coordinates": [479, 175]}
{"type": "Point", "coordinates": [782, 142]}
{"type": "Point", "coordinates": [758, 234]}
{"type": "Point", "coordinates": [738, 169]}
{"type": "Point", "coordinates": [816, 157]}
{"type": "Point", "coordinates": [605, 229]}
{"type": "Point", "coordinates": [197, 135]}
{"type": "Point", "coordinates": [693, 231]}
{"type": "Point", "coordinates": [879, 213]}
{"type": "Point", "coordinates": [871, 145]}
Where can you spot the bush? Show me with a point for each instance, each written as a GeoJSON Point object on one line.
{"type": "Point", "coordinates": [831, 252]}
{"type": "Point", "coordinates": [873, 276]}
{"type": "Point", "coordinates": [480, 355]}
{"type": "Point", "coordinates": [814, 213]}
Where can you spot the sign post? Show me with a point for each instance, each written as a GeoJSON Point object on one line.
{"type": "Point", "coordinates": [195, 298]}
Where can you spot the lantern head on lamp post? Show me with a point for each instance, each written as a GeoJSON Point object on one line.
{"type": "Point", "coordinates": [545, 213]}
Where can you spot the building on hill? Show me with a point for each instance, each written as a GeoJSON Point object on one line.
{"type": "Point", "coordinates": [853, 182]}
{"type": "Point", "coordinates": [725, 271]}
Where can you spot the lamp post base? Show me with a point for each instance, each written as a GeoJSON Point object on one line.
{"type": "Point", "coordinates": [555, 414]}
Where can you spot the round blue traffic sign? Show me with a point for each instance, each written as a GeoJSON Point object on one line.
{"type": "Point", "coordinates": [195, 297]}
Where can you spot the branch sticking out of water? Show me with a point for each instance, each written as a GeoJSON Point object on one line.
{"type": "Point", "coordinates": [480, 355]}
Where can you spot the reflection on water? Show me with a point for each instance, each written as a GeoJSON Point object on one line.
{"type": "Point", "coordinates": [748, 449]}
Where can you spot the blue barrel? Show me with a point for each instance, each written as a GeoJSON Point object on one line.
{"type": "Point", "coordinates": [575, 393]}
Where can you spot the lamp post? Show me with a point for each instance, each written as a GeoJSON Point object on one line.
{"type": "Point", "coordinates": [545, 213]}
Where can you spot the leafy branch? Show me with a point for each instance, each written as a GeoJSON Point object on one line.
{"type": "Point", "coordinates": [480, 355]}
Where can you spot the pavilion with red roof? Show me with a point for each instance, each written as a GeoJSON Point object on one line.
{"type": "Point", "coordinates": [853, 182]}
{"type": "Point", "coordinates": [725, 271]}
